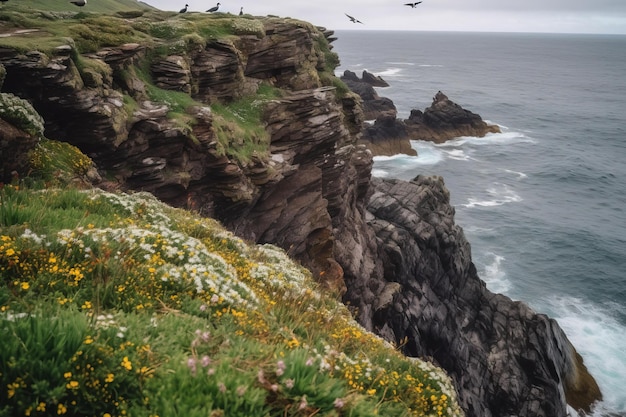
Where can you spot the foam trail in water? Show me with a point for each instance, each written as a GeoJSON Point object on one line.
{"type": "Point", "coordinates": [519, 175]}
{"type": "Point", "coordinates": [405, 166]}
{"type": "Point", "coordinates": [389, 72]}
{"type": "Point", "coordinates": [497, 195]}
{"type": "Point", "coordinates": [600, 338]}
{"type": "Point", "coordinates": [504, 138]}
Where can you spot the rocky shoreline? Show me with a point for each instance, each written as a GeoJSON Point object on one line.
{"type": "Point", "coordinates": [391, 248]}
{"type": "Point", "coordinates": [441, 121]}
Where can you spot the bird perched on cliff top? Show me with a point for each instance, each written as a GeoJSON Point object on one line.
{"type": "Point", "coordinates": [412, 4]}
{"type": "Point", "coordinates": [352, 19]}
{"type": "Point", "coordinates": [214, 9]}
{"type": "Point", "coordinates": [240, 11]}
{"type": "Point", "coordinates": [79, 3]}
{"type": "Point", "coordinates": [184, 9]}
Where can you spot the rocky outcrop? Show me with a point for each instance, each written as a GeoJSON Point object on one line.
{"type": "Point", "coordinates": [508, 359]}
{"type": "Point", "coordinates": [445, 120]}
{"type": "Point", "coordinates": [374, 106]}
{"type": "Point", "coordinates": [390, 248]}
{"type": "Point", "coordinates": [442, 121]}
{"type": "Point", "coordinates": [387, 136]}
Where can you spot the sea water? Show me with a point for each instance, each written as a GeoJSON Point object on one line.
{"type": "Point", "coordinates": [543, 204]}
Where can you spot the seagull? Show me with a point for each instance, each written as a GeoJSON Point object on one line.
{"type": "Point", "coordinates": [352, 19]}
{"type": "Point", "coordinates": [184, 9]}
{"type": "Point", "coordinates": [241, 11]}
{"type": "Point", "coordinates": [79, 3]}
{"type": "Point", "coordinates": [214, 9]}
{"type": "Point", "coordinates": [412, 4]}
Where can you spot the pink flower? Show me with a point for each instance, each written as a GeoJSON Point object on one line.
{"type": "Point", "coordinates": [289, 383]}
{"type": "Point", "coordinates": [191, 364]}
{"type": "Point", "coordinates": [339, 403]}
{"type": "Point", "coordinates": [261, 376]}
{"type": "Point", "coordinates": [303, 403]}
{"type": "Point", "coordinates": [221, 387]}
{"type": "Point", "coordinates": [310, 362]}
{"type": "Point", "coordinates": [206, 361]}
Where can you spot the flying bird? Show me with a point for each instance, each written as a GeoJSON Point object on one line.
{"type": "Point", "coordinates": [79, 3]}
{"type": "Point", "coordinates": [412, 4]}
{"type": "Point", "coordinates": [352, 19]}
{"type": "Point", "coordinates": [184, 9]}
{"type": "Point", "coordinates": [214, 9]}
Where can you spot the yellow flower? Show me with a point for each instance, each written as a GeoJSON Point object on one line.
{"type": "Point", "coordinates": [88, 340]}
{"type": "Point", "coordinates": [371, 391]}
{"type": "Point", "coordinates": [41, 406]}
{"type": "Point", "coordinates": [61, 409]}
{"type": "Point", "coordinates": [10, 252]}
{"type": "Point", "coordinates": [25, 286]}
{"type": "Point", "coordinates": [67, 375]}
{"type": "Point", "coordinates": [109, 378]}
{"type": "Point", "coordinates": [72, 385]}
{"type": "Point", "coordinates": [87, 305]}
{"type": "Point", "coordinates": [127, 364]}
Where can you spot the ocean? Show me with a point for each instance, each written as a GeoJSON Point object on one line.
{"type": "Point", "coordinates": [543, 203]}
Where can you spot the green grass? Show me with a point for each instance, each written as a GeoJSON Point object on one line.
{"type": "Point", "coordinates": [239, 126]}
{"type": "Point", "coordinates": [93, 6]}
{"type": "Point", "coordinates": [114, 304]}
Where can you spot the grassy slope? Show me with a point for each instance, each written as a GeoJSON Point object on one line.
{"type": "Point", "coordinates": [96, 6]}
{"type": "Point", "coordinates": [115, 304]}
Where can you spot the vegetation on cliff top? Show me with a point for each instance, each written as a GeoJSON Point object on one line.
{"type": "Point", "coordinates": [114, 304]}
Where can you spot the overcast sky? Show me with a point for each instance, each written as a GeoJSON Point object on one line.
{"type": "Point", "coordinates": [564, 16]}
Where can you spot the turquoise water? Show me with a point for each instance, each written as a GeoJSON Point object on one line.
{"type": "Point", "coordinates": [543, 204]}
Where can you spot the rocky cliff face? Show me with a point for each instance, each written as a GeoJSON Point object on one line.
{"type": "Point", "coordinates": [390, 248]}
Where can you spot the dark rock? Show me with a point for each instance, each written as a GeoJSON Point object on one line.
{"type": "Point", "coordinates": [15, 150]}
{"type": "Point", "coordinates": [445, 120]}
{"type": "Point", "coordinates": [387, 136]}
{"type": "Point", "coordinates": [374, 80]}
{"type": "Point", "coordinates": [508, 359]}
{"type": "Point", "coordinates": [374, 106]}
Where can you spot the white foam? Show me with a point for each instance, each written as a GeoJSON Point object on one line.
{"type": "Point", "coordinates": [519, 175]}
{"type": "Point", "coordinates": [401, 63]}
{"type": "Point", "coordinates": [504, 138]}
{"type": "Point", "coordinates": [458, 155]}
{"type": "Point", "coordinates": [601, 340]}
{"type": "Point", "coordinates": [380, 173]}
{"type": "Point", "coordinates": [389, 72]}
{"type": "Point", "coordinates": [497, 195]}
{"type": "Point", "coordinates": [494, 275]}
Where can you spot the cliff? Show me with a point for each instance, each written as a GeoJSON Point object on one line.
{"type": "Point", "coordinates": [174, 107]}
